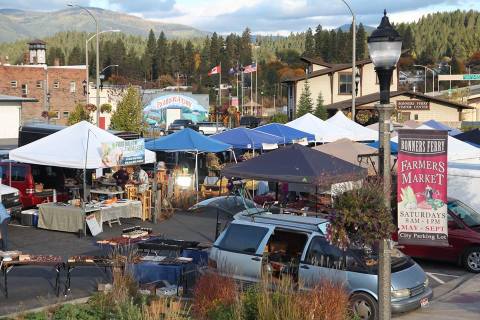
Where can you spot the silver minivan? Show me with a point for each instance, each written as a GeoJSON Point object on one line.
{"type": "Point", "coordinates": [277, 244]}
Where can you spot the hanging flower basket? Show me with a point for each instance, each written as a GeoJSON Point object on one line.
{"type": "Point", "coordinates": [90, 107]}
{"type": "Point", "coordinates": [106, 108]}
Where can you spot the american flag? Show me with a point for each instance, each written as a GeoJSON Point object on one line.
{"type": "Point", "coordinates": [251, 68]}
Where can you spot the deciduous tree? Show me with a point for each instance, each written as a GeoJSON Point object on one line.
{"type": "Point", "coordinates": [128, 116]}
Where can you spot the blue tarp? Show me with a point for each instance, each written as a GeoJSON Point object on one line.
{"type": "Point", "coordinates": [440, 126]}
{"type": "Point", "coordinates": [187, 140]}
{"type": "Point", "coordinates": [393, 146]}
{"type": "Point", "coordinates": [243, 138]}
{"type": "Point", "coordinates": [287, 133]}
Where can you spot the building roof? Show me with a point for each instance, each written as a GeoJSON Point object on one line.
{"type": "Point", "coordinates": [370, 98]}
{"type": "Point", "coordinates": [317, 61]}
{"type": "Point", "coordinates": [4, 98]}
{"type": "Point", "coordinates": [331, 69]}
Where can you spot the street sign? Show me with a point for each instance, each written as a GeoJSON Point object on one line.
{"type": "Point", "coordinates": [471, 77]}
{"type": "Point", "coordinates": [458, 77]}
{"type": "Point", "coordinates": [413, 105]}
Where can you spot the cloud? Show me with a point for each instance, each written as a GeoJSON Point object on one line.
{"type": "Point", "coordinates": [262, 16]}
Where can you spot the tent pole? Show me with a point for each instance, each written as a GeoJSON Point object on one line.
{"type": "Point", "coordinates": [196, 173]}
{"type": "Point", "coordinates": [234, 156]}
{"type": "Point", "coordinates": [316, 198]}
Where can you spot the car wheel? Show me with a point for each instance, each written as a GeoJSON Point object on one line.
{"type": "Point", "coordinates": [471, 259]}
{"type": "Point", "coordinates": [364, 306]}
{"type": "Point", "coordinates": [201, 132]}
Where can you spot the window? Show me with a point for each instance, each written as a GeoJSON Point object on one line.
{"type": "Point", "coordinates": [18, 173]}
{"type": "Point", "coordinates": [13, 84]}
{"type": "Point", "coordinates": [39, 84]}
{"type": "Point", "coordinates": [469, 216]}
{"type": "Point", "coordinates": [24, 89]}
{"type": "Point", "coordinates": [243, 238]}
{"type": "Point", "coordinates": [56, 84]}
{"type": "Point", "coordinates": [72, 87]}
{"type": "Point", "coordinates": [415, 116]}
{"type": "Point", "coordinates": [344, 83]}
{"type": "Point", "coordinates": [3, 172]}
{"type": "Point", "coordinates": [57, 115]}
{"type": "Point", "coordinates": [322, 254]}
{"type": "Point", "coordinates": [66, 114]}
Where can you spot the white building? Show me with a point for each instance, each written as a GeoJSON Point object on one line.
{"type": "Point", "coordinates": [10, 116]}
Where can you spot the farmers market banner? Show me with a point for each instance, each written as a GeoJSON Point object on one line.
{"type": "Point", "coordinates": [122, 153]}
{"type": "Point", "coordinates": [422, 187]}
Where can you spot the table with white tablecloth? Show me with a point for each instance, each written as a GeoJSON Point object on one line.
{"type": "Point", "coordinates": [128, 209]}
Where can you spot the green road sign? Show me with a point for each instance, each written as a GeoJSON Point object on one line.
{"type": "Point", "coordinates": [471, 77]}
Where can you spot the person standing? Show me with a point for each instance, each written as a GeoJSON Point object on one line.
{"type": "Point", "coordinates": [140, 178]}
{"type": "Point", "coordinates": [4, 220]}
{"type": "Point", "coordinates": [121, 177]}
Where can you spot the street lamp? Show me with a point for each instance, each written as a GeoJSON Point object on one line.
{"type": "Point", "coordinates": [354, 63]}
{"type": "Point", "coordinates": [87, 65]}
{"type": "Point", "coordinates": [385, 47]}
{"type": "Point", "coordinates": [98, 52]}
{"type": "Point", "coordinates": [110, 66]}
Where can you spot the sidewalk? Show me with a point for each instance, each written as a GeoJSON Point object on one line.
{"type": "Point", "coordinates": [460, 302]}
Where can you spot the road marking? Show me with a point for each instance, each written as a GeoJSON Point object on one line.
{"type": "Point", "coordinates": [435, 278]}
{"type": "Point", "coordinates": [443, 274]}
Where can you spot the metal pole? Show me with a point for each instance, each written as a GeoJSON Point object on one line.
{"type": "Point", "coordinates": [219, 97]}
{"type": "Point", "coordinates": [243, 78]}
{"type": "Point", "coordinates": [433, 81]}
{"type": "Point", "coordinates": [354, 56]}
{"type": "Point", "coordinates": [256, 81]}
{"type": "Point", "coordinates": [98, 75]}
{"type": "Point", "coordinates": [450, 67]}
{"type": "Point", "coordinates": [425, 75]}
{"type": "Point", "coordinates": [251, 92]}
{"type": "Point", "coordinates": [88, 75]}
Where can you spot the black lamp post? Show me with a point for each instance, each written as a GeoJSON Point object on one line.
{"type": "Point", "coordinates": [385, 47]}
{"type": "Point", "coordinates": [84, 84]}
{"type": "Point", "coordinates": [357, 81]}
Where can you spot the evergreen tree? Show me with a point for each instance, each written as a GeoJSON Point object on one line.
{"type": "Point", "coordinates": [76, 57]}
{"type": "Point", "coordinates": [361, 43]}
{"type": "Point", "coordinates": [214, 49]}
{"type": "Point", "coordinates": [318, 41]}
{"type": "Point", "coordinates": [162, 54]}
{"type": "Point", "coordinates": [246, 47]}
{"type": "Point", "coordinates": [408, 41]}
{"type": "Point", "coordinates": [150, 55]}
{"type": "Point", "coordinates": [128, 116]}
{"type": "Point", "coordinates": [53, 54]}
{"type": "Point", "coordinates": [78, 114]}
{"type": "Point", "coordinates": [320, 110]}
{"type": "Point", "coordinates": [189, 63]}
{"type": "Point", "coordinates": [309, 44]}
{"type": "Point", "coordinates": [305, 104]}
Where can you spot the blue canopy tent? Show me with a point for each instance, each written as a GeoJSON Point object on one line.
{"type": "Point", "coordinates": [243, 138]}
{"type": "Point", "coordinates": [187, 140]}
{"type": "Point", "coordinates": [440, 126]}
{"type": "Point", "coordinates": [288, 134]}
{"type": "Point", "coordinates": [393, 146]}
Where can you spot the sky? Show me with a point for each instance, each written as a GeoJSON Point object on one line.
{"type": "Point", "coordinates": [261, 16]}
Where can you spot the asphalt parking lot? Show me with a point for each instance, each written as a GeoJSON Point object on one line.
{"type": "Point", "coordinates": [441, 272]}
{"type": "Point", "coordinates": [32, 287]}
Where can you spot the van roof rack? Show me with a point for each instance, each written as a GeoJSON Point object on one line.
{"type": "Point", "coordinates": [286, 220]}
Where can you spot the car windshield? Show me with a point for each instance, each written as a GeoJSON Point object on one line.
{"type": "Point", "coordinates": [469, 216]}
{"type": "Point", "coordinates": [369, 257]}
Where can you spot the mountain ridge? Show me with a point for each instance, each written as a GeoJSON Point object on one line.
{"type": "Point", "coordinates": [18, 24]}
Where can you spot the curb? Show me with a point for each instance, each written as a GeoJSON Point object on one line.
{"type": "Point", "coordinates": [444, 289]}
{"type": "Point", "coordinates": [39, 309]}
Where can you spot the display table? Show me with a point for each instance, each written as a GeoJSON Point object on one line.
{"type": "Point", "coordinates": [43, 261]}
{"type": "Point", "coordinates": [54, 216]}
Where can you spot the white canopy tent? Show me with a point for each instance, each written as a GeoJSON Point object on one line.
{"type": "Point", "coordinates": [457, 150]}
{"type": "Point", "coordinates": [323, 131]}
{"type": "Point", "coordinates": [359, 132]}
{"type": "Point", "coordinates": [77, 147]}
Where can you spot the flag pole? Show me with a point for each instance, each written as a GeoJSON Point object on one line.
{"type": "Point", "coordinates": [251, 91]}
{"type": "Point", "coordinates": [256, 85]}
{"type": "Point", "coordinates": [241, 111]}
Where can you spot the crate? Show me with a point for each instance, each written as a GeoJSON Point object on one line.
{"type": "Point", "coordinates": [29, 218]}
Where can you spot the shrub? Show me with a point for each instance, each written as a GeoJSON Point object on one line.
{"type": "Point", "coordinates": [211, 292]}
{"type": "Point", "coordinates": [328, 300]}
{"type": "Point", "coordinates": [106, 108]}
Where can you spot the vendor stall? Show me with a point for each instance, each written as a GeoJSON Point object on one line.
{"type": "Point", "coordinates": [86, 147]}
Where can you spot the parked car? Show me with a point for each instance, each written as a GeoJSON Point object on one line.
{"type": "Point", "coordinates": [250, 122]}
{"type": "Point", "coordinates": [463, 237]}
{"type": "Point", "coordinates": [259, 244]}
{"type": "Point", "coordinates": [181, 124]}
{"type": "Point", "coordinates": [24, 177]}
{"type": "Point", "coordinates": [10, 198]}
{"type": "Point", "coordinates": [209, 128]}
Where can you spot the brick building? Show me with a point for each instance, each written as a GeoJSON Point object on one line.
{"type": "Point", "coordinates": [57, 88]}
